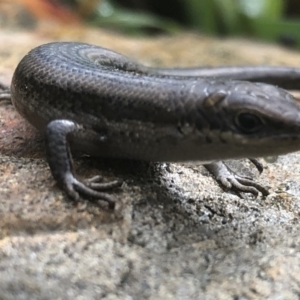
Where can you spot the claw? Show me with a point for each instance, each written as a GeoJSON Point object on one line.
{"type": "Point", "coordinates": [75, 188]}
{"type": "Point", "coordinates": [230, 180]}
{"type": "Point", "coordinates": [259, 166]}
{"type": "Point", "coordinates": [96, 178]}
{"type": "Point", "coordinates": [96, 183]}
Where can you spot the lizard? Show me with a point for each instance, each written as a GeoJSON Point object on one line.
{"type": "Point", "coordinates": [95, 100]}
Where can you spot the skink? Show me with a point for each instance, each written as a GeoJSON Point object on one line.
{"type": "Point", "coordinates": [100, 102]}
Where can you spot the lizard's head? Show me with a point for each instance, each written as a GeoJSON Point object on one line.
{"type": "Point", "coordinates": [251, 120]}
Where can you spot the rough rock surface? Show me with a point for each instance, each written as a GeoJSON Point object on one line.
{"type": "Point", "coordinates": [174, 234]}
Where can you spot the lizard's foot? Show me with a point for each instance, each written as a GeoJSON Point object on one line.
{"type": "Point", "coordinates": [230, 180]}
{"type": "Point", "coordinates": [59, 156]}
{"type": "Point", "coordinates": [89, 188]}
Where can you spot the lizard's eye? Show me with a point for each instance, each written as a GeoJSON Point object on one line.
{"type": "Point", "coordinates": [248, 122]}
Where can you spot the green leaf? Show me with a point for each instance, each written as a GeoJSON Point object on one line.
{"type": "Point", "coordinates": [264, 9]}
{"type": "Point", "coordinates": [113, 16]}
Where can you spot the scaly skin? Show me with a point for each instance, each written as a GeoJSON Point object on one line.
{"type": "Point", "coordinates": [105, 104]}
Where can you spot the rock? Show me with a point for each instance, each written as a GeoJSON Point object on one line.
{"type": "Point", "coordinates": [174, 234]}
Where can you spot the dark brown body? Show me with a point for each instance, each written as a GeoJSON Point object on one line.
{"type": "Point", "coordinates": [141, 114]}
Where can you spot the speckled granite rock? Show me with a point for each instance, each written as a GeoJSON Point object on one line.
{"type": "Point", "coordinates": [174, 234]}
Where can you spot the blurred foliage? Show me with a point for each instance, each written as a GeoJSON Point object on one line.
{"type": "Point", "coordinates": [265, 19]}
{"type": "Point", "coordinates": [257, 18]}
{"type": "Point", "coordinates": [109, 14]}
